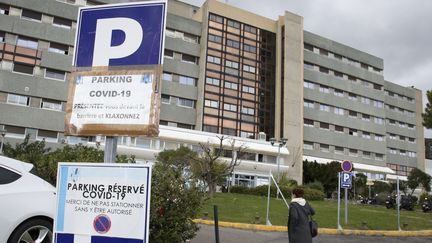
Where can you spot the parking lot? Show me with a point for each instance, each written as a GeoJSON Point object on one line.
{"type": "Point", "coordinates": [229, 235]}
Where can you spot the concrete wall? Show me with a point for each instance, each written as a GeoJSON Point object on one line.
{"type": "Point", "coordinates": [172, 112]}
{"type": "Point", "coordinates": [293, 94]}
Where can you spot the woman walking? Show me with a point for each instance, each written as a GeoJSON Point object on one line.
{"type": "Point", "coordinates": [298, 219]}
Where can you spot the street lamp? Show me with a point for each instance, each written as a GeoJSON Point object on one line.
{"type": "Point", "coordinates": [280, 143]}
{"type": "Point", "coordinates": [3, 134]}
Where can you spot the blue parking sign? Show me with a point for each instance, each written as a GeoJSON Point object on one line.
{"type": "Point", "coordinates": [346, 180]}
{"type": "Point", "coordinates": [120, 34]}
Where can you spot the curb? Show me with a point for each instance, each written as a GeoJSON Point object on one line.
{"type": "Point", "coordinates": [324, 231]}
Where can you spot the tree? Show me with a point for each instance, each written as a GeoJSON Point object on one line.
{"type": "Point", "coordinates": [360, 180]}
{"type": "Point", "coordinates": [324, 173]}
{"type": "Point", "coordinates": [403, 186]}
{"type": "Point", "coordinates": [417, 178]}
{"type": "Point", "coordinates": [47, 168]}
{"type": "Point", "coordinates": [210, 168]}
{"type": "Point", "coordinates": [427, 116]}
{"type": "Point", "coordinates": [27, 151]}
{"type": "Point", "coordinates": [175, 197]}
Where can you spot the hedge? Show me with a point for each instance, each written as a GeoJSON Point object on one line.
{"type": "Point", "coordinates": [309, 193]}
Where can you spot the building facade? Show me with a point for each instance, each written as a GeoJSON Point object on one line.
{"type": "Point", "coordinates": [226, 71]}
{"type": "Point", "coordinates": [428, 157]}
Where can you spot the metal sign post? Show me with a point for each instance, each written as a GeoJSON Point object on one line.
{"type": "Point", "coordinates": [114, 90]}
{"type": "Point", "coordinates": [110, 152]}
{"type": "Point", "coordinates": [339, 227]}
{"type": "Point", "coordinates": [346, 205]}
{"type": "Point", "coordinates": [398, 203]}
{"type": "Point", "coordinates": [346, 183]}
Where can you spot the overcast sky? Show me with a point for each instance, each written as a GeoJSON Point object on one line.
{"type": "Point", "coordinates": [398, 31]}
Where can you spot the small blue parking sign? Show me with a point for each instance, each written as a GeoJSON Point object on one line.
{"type": "Point", "coordinates": [346, 180]}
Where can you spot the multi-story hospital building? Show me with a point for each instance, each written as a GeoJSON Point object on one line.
{"type": "Point", "coordinates": [226, 71]}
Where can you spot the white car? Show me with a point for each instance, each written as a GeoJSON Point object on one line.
{"type": "Point", "coordinates": [27, 204]}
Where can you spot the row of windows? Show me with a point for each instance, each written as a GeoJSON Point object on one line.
{"type": "Point", "coordinates": [23, 100]}
{"type": "Point", "coordinates": [232, 43]}
{"type": "Point", "coordinates": [324, 52]}
{"type": "Point", "coordinates": [341, 111]}
{"type": "Point", "coordinates": [340, 93]}
{"type": "Point", "coordinates": [191, 38]}
{"type": "Point", "coordinates": [355, 132]}
{"type": "Point", "coordinates": [32, 43]}
{"type": "Point", "coordinates": [182, 56]}
{"type": "Point", "coordinates": [181, 79]}
{"type": "Point", "coordinates": [343, 76]}
{"type": "Point", "coordinates": [402, 138]}
{"type": "Point", "coordinates": [87, 3]}
{"type": "Point", "coordinates": [49, 73]}
{"type": "Point", "coordinates": [21, 132]}
{"type": "Point", "coordinates": [341, 129]}
{"type": "Point", "coordinates": [37, 16]}
{"type": "Point", "coordinates": [402, 170]}
{"type": "Point", "coordinates": [326, 148]}
{"type": "Point", "coordinates": [228, 131]}
{"type": "Point", "coordinates": [402, 152]}
{"type": "Point", "coordinates": [233, 23]}
{"type": "Point", "coordinates": [354, 97]}
{"type": "Point", "coordinates": [230, 85]}
{"type": "Point", "coordinates": [400, 124]}
{"type": "Point", "coordinates": [229, 107]}
{"type": "Point", "coordinates": [231, 64]}
{"type": "Point", "coordinates": [176, 124]}
{"type": "Point", "coordinates": [399, 96]}
{"type": "Point", "coordinates": [167, 99]}
{"type": "Point", "coordinates": [400, 110]}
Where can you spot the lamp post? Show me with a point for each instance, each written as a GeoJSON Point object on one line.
{"type": "Point", "coordinates": [280, 143]}
{"type": "Point", "coordinates": [3, 134]}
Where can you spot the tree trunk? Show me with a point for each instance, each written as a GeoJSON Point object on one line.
{"type": "Point", "coordinates": [211, 189]}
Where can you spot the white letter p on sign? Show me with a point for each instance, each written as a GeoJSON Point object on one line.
{"type": "Point", "coordinates": [103, 51]}
{"type": "Point", "coordinates": [346, 177]}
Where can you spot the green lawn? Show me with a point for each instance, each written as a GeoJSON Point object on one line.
{"type": "Point", "coordinates": [243, 209]}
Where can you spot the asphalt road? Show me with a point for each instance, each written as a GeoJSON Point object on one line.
{"type": "Point", "coordinates": [229, 235]}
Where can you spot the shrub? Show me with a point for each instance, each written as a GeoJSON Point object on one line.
{"type": "Point", "coordinates": [313, 194]}
{"type": "Point", "coordinates": [239, 189]}
{"type": "Point", "coordinates": [309, 193]}
{"type": "Point", "coordinates": [414, 199]}
{"type": "Point", "coordinates": [315, 185]}
{"type": "Point", "coordinates": [175, 200]}
{"type": "Point", "coordinates": [380, 186]}
{"type": "Point", "coordinates": [262, 190]}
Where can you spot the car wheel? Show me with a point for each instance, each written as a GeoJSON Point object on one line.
{"type": "Point", "coordinates": [32, 231]}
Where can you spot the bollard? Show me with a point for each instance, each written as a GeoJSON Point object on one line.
{"type": "Point", "coordinates": [216, 221]}
{"type": "Point", "coordinates": [257, 219]}
{"type": "Point", "coordinates": [364, 225]}
{"type": "Point", "coordinates": [205, 215]}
